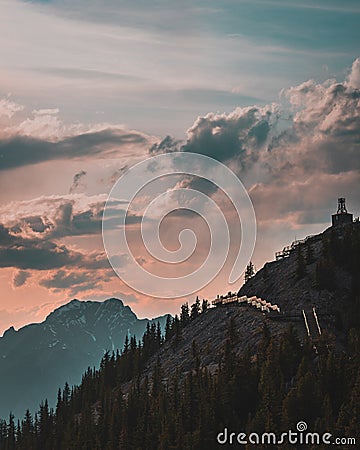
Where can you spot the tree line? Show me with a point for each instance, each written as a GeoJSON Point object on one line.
{"type": "Point", "coordinates": [286, 381]}
{"type": "Point", "coordinates": [118, 406]}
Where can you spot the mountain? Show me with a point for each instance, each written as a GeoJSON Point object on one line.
{"type": "Point", "coordinates": [232, 370]}
{"type": "Point", "coordinates": [39, 358]}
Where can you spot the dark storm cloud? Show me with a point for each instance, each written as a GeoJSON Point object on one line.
{"type": "Point", "coordinates": [20, 151]}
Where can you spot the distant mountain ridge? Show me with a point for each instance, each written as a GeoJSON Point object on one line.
{"type": "Point", "coordinates": [40, 357]}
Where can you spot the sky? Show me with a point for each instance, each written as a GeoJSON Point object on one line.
{"type": "Point", "coordinates": [269, 88]}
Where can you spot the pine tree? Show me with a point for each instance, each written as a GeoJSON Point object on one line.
{"type": "Point", "coordinates": [126, 344]}
{"type": "Point", "coordinates": [66, 394]}
{"type": "Point", "coordinates": [169, 327]}
{"type": "Point", "coordinates": [204, 305]}
{"type": "Point", "coordinates": [249, 272]}
{"type": "Point", "coordinates": [159, 336]}
{"type": "Point", "coordinates": [11, 435]}
{"type": "Point", "coordinates": [195, 309]}
{"type": "Point", "coordinates": [184, 315]}
{"type": "Point", "coordinates": [177, 331]}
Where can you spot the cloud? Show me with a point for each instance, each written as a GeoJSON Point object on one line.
{"type": "Point", "coordinates": [46, 111]}
{"type": "Point", "coordinates": [77, 181]}
{"type": "Point", "coordinates": [288, 153]}
{"type": "Point", "coordinates": [325, 131]}
{"type": "Point", "coordinates": [197, 184]}
{"type": "Point", "coordinates": [20, 278]}
{"type": "Point", "coordinates": [54, 218]}
{"type": "Point", "coordinates": [167, 145]}
{"type": "Point", "coordinates": [320, 130]}
{"type": "Point", "coordinates": [40, 254]}
{"type": "Point", "coordinates": [180, 75]}
{"type": "Point", "coordinates": [35, 224]}
{"type": "Point", "coordinates": [36, 243]}
{"type": "Point", "coordinates": [8, 108]}
{"type": "Point", "coordinates": [353, 80]}
{"type": "Point", "coordinates": [75, 281]}
{"type": "Point", "coordinates": [42, 124]}
{"type": "Point", "coordinates": [327, 110]}
{"type": "Point", "coordinates": [227, 136]}
{"type": "Point", "coordinates": [19, 151]}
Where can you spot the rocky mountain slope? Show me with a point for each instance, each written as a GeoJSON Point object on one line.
{"type": "Point", "coordinates": [322, 272]}
{"type": "Point", "coordinates": [39, 358]}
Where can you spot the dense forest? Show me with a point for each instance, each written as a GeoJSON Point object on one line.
{"type": "Point", "coordinates": [289, 379]}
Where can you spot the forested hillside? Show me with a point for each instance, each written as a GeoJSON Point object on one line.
{"type": "Point", "coordinates": [246, 372]}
